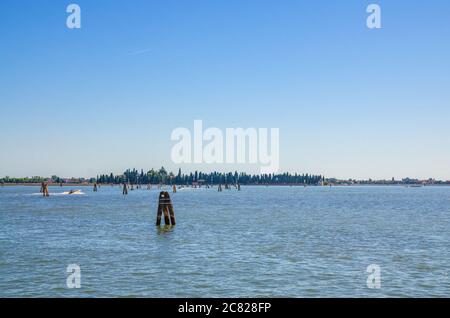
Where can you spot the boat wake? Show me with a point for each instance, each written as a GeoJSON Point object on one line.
{"type": "Point", "coordinates": [71, 192]}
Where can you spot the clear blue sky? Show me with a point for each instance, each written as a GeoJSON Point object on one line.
{"type": "Point", "coordinates": [349, 101]}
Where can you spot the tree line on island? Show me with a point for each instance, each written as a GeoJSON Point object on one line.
{"type": "Point", "coordinates": [162, 176]}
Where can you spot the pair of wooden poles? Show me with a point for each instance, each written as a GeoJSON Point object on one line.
{"type": "Point", "coordinates": [44, 189]}
{"type": "Point", "coordinates": [165, 206]}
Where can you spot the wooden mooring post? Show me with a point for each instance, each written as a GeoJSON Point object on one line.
{"type": "Point", "coordinates": [165, 206]}
{"type": "Point", "coordinates": [44, 189]}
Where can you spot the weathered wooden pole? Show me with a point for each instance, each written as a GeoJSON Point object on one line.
{"type": "Point", "coordinates": [44, 188]}
{"type": "Point", "coordinates": [160, 210]}
{"type": "Point", "coordinates": [165, 206]}
{"type": "Point", "coordinates": [166, 214]}
{"type": "Point", "coordinates": [172, 213]}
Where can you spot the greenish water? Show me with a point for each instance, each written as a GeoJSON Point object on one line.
{"type": "Point", "coordinates": [261, 241]}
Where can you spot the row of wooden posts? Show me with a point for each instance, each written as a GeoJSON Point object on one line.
{"type": "Point", "coordinates": [165, 205]}
{"type": "Point", "coordinates": [125, 188]}
{"type": "Point", "coordinates": [44, 188]}
{"type": "Point", "coordinates": [228, 187]}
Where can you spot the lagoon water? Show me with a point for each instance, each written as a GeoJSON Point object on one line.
{"type": "Point", "coordinates": [259, 242]}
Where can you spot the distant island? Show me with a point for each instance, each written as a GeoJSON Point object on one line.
{"type": "Point", "coordinates": [162, 176]}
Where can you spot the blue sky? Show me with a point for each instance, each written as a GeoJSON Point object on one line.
{"type": "Point", "coordinates": [350, 102]}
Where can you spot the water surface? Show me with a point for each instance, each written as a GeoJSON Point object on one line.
{"type": "Point", "coordinates": [259, 242]}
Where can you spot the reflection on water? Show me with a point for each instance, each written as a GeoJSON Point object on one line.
{"type": "Point", "coordinates": [164, 229]}
{"type": "Point", "coordinates": [261, 241]}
